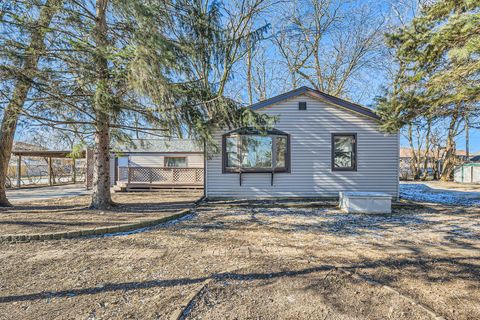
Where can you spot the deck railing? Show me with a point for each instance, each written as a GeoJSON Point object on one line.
{"type": "Point", "coordinates": [161, 175]}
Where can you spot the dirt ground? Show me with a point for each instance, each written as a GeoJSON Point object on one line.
{"type": "Point", "coordinates": [72, 213]}
{"type": "Point", "coordinates": [255, 262]}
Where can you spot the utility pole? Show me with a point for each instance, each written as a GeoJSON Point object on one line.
{"type": "Point", "coordinates": [467, 138]}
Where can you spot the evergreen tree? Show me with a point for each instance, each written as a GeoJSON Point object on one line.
{"type": "Point", "coordinates": [439, 68]}
{"type": "Point", "coordinates": [164, 62]}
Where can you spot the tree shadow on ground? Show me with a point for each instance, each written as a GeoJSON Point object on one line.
{"type": "Point", "coordinates": [465, 269]}
{"type": "Point", "coordinates": [449, 230]}
{"type": "Point", "coordinates": [149, 207]}
{"type": "Point", "coordinates": [47, 223]}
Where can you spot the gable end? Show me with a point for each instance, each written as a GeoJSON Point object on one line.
{"type": "Point", "coordinates": [317, 95]}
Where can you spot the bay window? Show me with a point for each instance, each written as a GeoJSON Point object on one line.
{"type": "Point", "coordinates": [248, 150]}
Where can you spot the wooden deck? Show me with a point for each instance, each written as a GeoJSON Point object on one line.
{"type": "Point", "coordinates": [160, 178]}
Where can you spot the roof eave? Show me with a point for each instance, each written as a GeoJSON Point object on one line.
{"type": "Point", "coordinates": [319, 95]}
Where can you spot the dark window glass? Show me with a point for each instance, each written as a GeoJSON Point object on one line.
{"type": "Point", "coordinates": [344, 152]}
{"type": "Point", "coordinates": [232, 151]}
{"type": "Point", "coordinates": [281, 151]}
{"type": "Point", "coordinates": [176, 162]}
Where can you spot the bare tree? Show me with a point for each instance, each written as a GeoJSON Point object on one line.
{"type": "Point", "coordinates": [327, 46]}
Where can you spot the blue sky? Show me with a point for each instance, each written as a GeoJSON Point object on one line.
{"type": "Point", "coordinates": [363, 91]}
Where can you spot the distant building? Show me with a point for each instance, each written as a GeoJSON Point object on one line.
{"type": "Point", "coordinates": [468, 172]}
{"type": "Point", "coordinates": [433, 160]}
{"type": "Point", "coordinates": [475, 158]}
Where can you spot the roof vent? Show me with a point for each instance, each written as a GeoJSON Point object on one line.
{"type": "Point", "coordinates": [302, 106]}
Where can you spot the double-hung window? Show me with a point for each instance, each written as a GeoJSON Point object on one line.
{"type": "Point", "coordinates": [344, 152]}
{"type": "Point", "coordinates": [249, 150]}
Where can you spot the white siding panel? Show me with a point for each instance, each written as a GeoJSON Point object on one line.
{"type": "Point", "coordinates": [145, 160]}
{"type": "Point", "coordinates": [112, 170]}
{"type": "Point", "coordinates": [194, 160]}
{"type": "Point", "coordinates": [311, 174]}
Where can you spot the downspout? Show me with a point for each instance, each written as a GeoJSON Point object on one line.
{"type": "Point", "coordinates": [398, 166]}
{"type": "Point", "coordinates": [204, 169]}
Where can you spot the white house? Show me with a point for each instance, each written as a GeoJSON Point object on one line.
{"type": "Point", "coordinates": [320, 145]}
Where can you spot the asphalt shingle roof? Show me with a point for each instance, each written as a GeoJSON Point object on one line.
{"type": "Point", "coordinates": [158, 145]}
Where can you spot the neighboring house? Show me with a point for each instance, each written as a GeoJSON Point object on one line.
{"type": "Point", "coordinates": [433, 161]}
{"type": "Point", "coordinates": [157, 163]}
{"type": "Point", "coordinates": [475, 158]}
{"type": "Point", "coordinates": [468, 172]}
{"type": "Point", "coordinates": [320, 145]}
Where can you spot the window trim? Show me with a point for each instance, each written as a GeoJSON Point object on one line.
{"type": "Point", "coordinates": [355, 156]}
{"type": "Point", "coordinates": [168, 157]}
{"type": "Point", "coordinates": [253, 132]}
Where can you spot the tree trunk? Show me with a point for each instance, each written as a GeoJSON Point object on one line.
{"type": "Point", "coordinates": [467, 138]}
{"type": "Point", "coordinates": [249, 75]}
{"type": "Point", "coordinates": [427, 156]}
{"type": "Point", "coordinates": [101, 197]}
{"type": "Point", "coordinates": [20, 92]}
{"type": "Point", "coordinates": [450, 155]}
{"type": "Point", "coordinates": [414, 167]}
{"type": "Point", "coordinates": [74, 171]}
{"type": "Point", "coordinates": [436, 163]}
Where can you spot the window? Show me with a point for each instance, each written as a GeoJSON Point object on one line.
{"type": "Point", "coordinates": [176, 162]}
{"type": "Point", "coordinates": [344, 151]}
{"type": "Point", "coordinates": [249, 150]}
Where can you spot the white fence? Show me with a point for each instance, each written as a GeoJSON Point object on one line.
{"type": "Point", "coordinates": [467, 173]}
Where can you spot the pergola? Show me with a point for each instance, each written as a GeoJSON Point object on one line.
{"type": "Point", "coordinates": [49, 154]}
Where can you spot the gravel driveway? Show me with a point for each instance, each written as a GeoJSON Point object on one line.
{"type": "Point", "coordinates": [251, 262]}
{"type": "Point", "coordinates": [46, 193]}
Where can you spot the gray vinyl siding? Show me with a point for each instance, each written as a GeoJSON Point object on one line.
{"type": "Point", "coordinates": [112, 170]}
{"type": "Point", "coordinates": [311, 175]}
{"type": "Point", "coordinates": [158, 159]}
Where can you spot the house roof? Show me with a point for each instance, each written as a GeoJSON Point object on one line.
{"type": "Point", "coordinates": [31, 150]}
{"type": "Point", "coordinates": [318, 95]}
{"type": "Point", "coordinates": [252, 130]}
{"type": "Point", "coordinates": [45, 153]}
{"type": "Point", "coordinates": [158, 145]}
{"type": "Point", "coordinates": [475, 158]}
{"type": "Point", "coordinates": [25, 146]}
